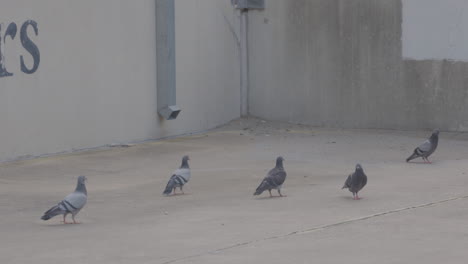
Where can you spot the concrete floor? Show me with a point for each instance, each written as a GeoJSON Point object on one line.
{"type": "Point", "coordinates": [410, 212]}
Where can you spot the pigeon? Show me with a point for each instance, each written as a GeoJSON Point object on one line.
{"type": "Point", "coordinates": [72, 204]}
{"type": "Point", "coordinates": [356, 181]}
{"type": "Point", "coordinates": [426, 148]}
{"type": "Point", "coordinates": [274, 179]}
{"type": "Point", "coordinates": [180, 177]}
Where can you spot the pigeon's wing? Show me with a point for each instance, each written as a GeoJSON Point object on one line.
{"type": "Point", "coordinates": [55, 210]}
{"type": "Point", "coordinates": [264, 185]}
{"type": "Point", "coordinates": [348, 181]}
{"type": "Point", "coordinates": [75, 201]}
{"type": "Point", "coordinates": [425, 146]}
{"type": "Point", "coordinates": [172, 183]}
{"type": "Point", "coordinates": [183, 172]}
{"type": "Point", "coordinates": [280, 177]}
{"type": "Point", "coordinates": [276, 177]}
{"type": "Point", "coordinates": [363, 181]}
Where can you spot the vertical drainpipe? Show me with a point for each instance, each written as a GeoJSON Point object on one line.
{"type": "Point", "coordinates": [165, 60]}
{"type": "Point", "coordinates": [243, 6]}
{"type": "Point", "coordinates": [244, 64]}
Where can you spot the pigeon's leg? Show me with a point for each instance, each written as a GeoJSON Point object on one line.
{"type": "Point", "coordinates": [270, 192]}
{"type": "Point", "coordinates": [173, 191]}
{"type": "Point", "coordinates": [181, 189]}
{"type": "Point", "coordinates": [279, 192]}
{"type": "Point", "coordinates": [73, 217]}
{"type": "Point", "coordinates": [64, 220]}
{"type": "Point", "coordinates": [426, 160]}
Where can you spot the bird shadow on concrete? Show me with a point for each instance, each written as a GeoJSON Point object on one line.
{"type": "Point", "coordinates": [178, 194]}
{"type": "Point", "coordinates": [268, 197]}
{"type": "Point", "coordinates": [58, 224]}
{"type": "Point", "coordinates": [350, 198]}
{"type": "Point", "coordinates": [421, 162]}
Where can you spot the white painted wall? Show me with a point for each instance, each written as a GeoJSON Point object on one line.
{"type": "Point", "coordinates": [435, 29]}
{"type": "Point", "coordinates": [96, 82]}
{"type": "Point", "coordinates": [207, 64]}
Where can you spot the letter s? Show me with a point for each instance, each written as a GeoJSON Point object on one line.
{"type": "Point", "coordinates": [29, 46]}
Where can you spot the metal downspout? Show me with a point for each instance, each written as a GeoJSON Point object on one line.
{"type": "Point", "coordinates": [244, 64]}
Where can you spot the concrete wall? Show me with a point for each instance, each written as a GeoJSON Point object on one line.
{"type": "Point", "coordinates": [339, 63]}
{"type": "Point", "coordinates": [96, 83]}
{"type": "Point", "coordinates": [336, 63]}
{"type": "Point", "coordinates": [326, 62]}
{"type": "Point", "coordinates": [434, 29]}
{"type": "Point", "coordinates": [435, 52]}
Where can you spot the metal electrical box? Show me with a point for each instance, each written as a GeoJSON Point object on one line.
{"type": "Point", "coordinates": [248, 4]}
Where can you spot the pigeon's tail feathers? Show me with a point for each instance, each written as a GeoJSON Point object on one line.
{"type": "Point", "coordinates": [170, 186]}
{"type": "Point", "coordinates": [174, 181]}
{"type": "Point", "coordinates": [56, 210]}
{"type": "Point", "coordinates": [262, 187]}
{"type": "Point", "coordinates": [413, 156]}
{"type": "Point", "coordinates": [46, 217]}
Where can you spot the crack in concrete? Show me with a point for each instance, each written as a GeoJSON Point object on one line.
{"type": "Point", "coordinates": [318, 228]}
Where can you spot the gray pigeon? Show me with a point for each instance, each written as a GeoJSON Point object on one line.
{"type": "Point", "coordinates": [426, 148]}
{"type": "Point", "coordinates": [180, 177]}
{"type": "Point", "coordinates": [356, 181]}
{"type": "Point", "coordinates": [274, 179]}
{"type": "Point", "coordinates": [72, 204]}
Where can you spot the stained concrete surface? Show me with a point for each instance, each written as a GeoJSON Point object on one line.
{"type": "Point", "coordinates": [410, 212]}
{"type": "Point", "coordinates": [357, 64]}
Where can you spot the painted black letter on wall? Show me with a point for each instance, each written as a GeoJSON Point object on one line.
{"type": "Point", "coordinates": [11, 31]}
{"type": "Point", "coordinates": [29, 46]}
{"type": "Point", "coordinates": [3, 71]}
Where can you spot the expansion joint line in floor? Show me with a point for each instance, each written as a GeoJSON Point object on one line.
{"type": "Point", "coordinates": [319, 228]}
